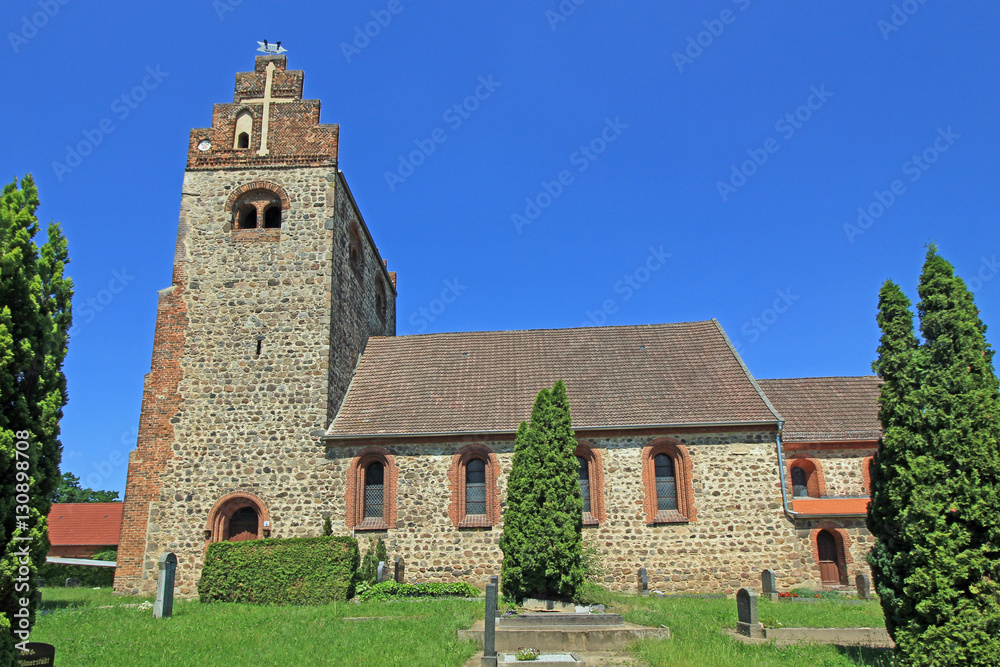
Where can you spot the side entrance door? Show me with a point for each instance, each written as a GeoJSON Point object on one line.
{"type": "Point", "coordinates": [829, 561]}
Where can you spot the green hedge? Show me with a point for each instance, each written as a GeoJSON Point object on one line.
{"type": "Point", "coordinates": [304, 570]}
{"type": "Point", "coordinates": [390, 590]}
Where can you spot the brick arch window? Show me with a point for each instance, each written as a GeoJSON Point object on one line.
{"type": "Point", "coordinates": [255, 207]}
{"type": "Point", "coordinates": [371, 490]}
{"type": "Point", "coordinates": [237, 517]}
{"type": "Point", "coordinates": [473, 479]}
{"type": "Point", "coordinates": [244, 129]}
{"type": "Point", "coordinates": [591, 475]}
{"type": "Point", "coordinates": [355, 251]}
{"type": "Point", "coordinates": [666, 476]}
{"type": "Point", "coordinates": [806, 478]}
{"type": "Point", "coordinates": [380, 300]}
{"type": "Point", "coordinates": [831, 552]}
{"type": "Point", "coordinates": [866, 472]}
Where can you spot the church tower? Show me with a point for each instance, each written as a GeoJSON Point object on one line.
{"type": "Point", "coordinates": [277, 285]}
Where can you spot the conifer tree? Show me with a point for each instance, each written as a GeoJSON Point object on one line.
{"type": "Point", "coordinates": [35, 317]}
{"type": "Point", "coordinates": [543, 524]}
{"type": "Point", "coordinates": [936, 492]}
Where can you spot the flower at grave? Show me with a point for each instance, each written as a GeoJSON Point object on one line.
{"type": "Point", "coordinates": [527, 653]}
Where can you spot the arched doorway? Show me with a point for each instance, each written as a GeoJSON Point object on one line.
{"type": "Point", "coordinates": [237, 517]}
{"type": "Point", "coordinates": [829, 558]}
{"type": "Point", "coordinates": [243, 525]}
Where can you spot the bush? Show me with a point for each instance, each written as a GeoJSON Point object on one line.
{"type": "Point", "coordinates": [107, 554]}
{"type": "Point", "coordinates": [56, 575]}
{"type": "Point", "coordinates": [390, 590]}
{"type": "Point", "coordinates": [305, 570]}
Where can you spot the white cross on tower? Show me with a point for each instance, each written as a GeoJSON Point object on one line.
{"type": "Point", "coordinates": [267, 100]}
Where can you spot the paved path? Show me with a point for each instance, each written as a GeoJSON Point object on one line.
{"type": "Point", "coordinates": [592, 660]}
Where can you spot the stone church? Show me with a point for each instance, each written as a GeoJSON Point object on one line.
{"type": "Point", "coordinates": [279, 396]}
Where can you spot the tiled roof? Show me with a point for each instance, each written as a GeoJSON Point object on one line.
{"type": "Point", "coordinates": [830, 408]}
{"type": "Point", "coordinates": [73, 524]}
{"type": "Point", "coordinates": [830, 506]}
{"type": "Point", "coordinates": [486, 381]}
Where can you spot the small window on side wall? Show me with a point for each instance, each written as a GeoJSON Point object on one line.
{"type": "Point", "coordinates": [800, 483]}
{"type": "Point", "coordinates": [669, 492]}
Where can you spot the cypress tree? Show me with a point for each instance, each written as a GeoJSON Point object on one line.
{"type": "Point", "coordinates": [35, 316]}
{"type": "Point", "coordinates": [890, 488]}
{"type": "Point", "coordinates": [936, 494]}
{"type": "Point", "coordinates": [543, 523]}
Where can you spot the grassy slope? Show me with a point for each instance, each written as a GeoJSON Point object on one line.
{"type": "Point", "coordinates": [405, 633]}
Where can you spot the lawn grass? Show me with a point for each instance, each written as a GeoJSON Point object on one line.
{"type": "Point", "coordinates": [415, 632]}
{"type": "Point", "coordinates": [696, 626]}
{"type": "Point", "coordinates": [418, 632]}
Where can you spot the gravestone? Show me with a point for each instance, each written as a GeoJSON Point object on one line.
{"type": "Point", "coordinates": [864, 584]}
{"type": "Point", "coordinates": [490, 627]}
{"type": "Point", "coordinates": [400, 569]}
{"type": "Point", "coordinates": [37, 655]}
{"type": "Point", "coordinates": [72, 582]}
{"type": "Point", "coordinates": [382, 573]}
{"type": "Point", "coordinates": [643, 581]}
{"type": "Point", "coordinates": [39, 583]}
{"type": "Point", "coordinates": [495, 580]}
{"type": "Point", "coordinates": [769, 584]}
{"type": "Point", "coordinates": [747, 623]}
{"type": "Point", "coordinates": [164, 605]}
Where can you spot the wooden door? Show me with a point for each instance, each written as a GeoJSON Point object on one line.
{"type": "Point", "coordinates": [243, 525]}
{"type": "Point", "coordinates": [829, 561]}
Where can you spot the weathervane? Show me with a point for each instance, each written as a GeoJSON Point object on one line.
{"type": "Point", "coordinates": [271, 48]}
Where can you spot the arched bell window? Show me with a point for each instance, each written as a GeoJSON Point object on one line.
{"type": "Point", "coordinates": [272, 217]}
{"type": "Point", "coordinates": [256, 206]}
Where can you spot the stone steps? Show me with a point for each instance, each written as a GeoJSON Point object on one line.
{"type": "Point", "coordinates": [565, 637]}
{"type": "Point", "coordinates": [547, 619]}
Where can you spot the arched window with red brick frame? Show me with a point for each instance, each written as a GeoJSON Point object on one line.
{"type": "Point", "coordinates": [371, 490]}
{"type": "Point", "coordinates": [590, 472]}
{"type": "Point", "coordinates": [666, 476]}
{"type": "Point", "coordinates": [473, 480]}
{"type": "Point", "coordinates": [805, 478]}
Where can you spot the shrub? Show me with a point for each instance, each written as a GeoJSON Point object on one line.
{"type": "Point", "coordinates": [305, 570]}
{"type": "Point", "coordinates": [390, 590]}
{"type": "Point", "coordinates": [107, 554]}
{"type": "Point", "coordinates": [56, 575]}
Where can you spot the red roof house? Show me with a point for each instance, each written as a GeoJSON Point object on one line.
{"type": "Point", "coordinates": [79, 530]}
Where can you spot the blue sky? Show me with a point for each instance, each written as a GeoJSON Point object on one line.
{"type": "Point", "coordinates": [623, 163]}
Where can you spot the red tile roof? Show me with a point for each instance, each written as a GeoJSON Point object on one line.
{"type": "Point", "coordinates": [831, 506]}
{"type": "Point", "coordinates": [826, 408]}
{"type": "Point", "coordinates": [486, 381]}
{"type": "Point", "coordinates": [72, 524]}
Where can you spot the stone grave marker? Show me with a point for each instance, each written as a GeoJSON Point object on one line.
{"type": "Point", "coordinates": [864, 584]}
{"type": "Point", "coordinates": [769, 584]}
{"type": "Point", "coordinates": [747, 623]}
{"type": "Point", "coordinates": [643, 581]}
{"type": "Point", "coordinates": [490, 628]}
{"type": "Point", "coordinates": [72, 582]}
{"type": "Point", "coordinates": [383, 572]}
{"type": "Point", "coordinates": [400, 569]}
{"type": "Point", "coordinates": [37, 655]}
{"type": "Point", "coordinates": [164, 605]}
